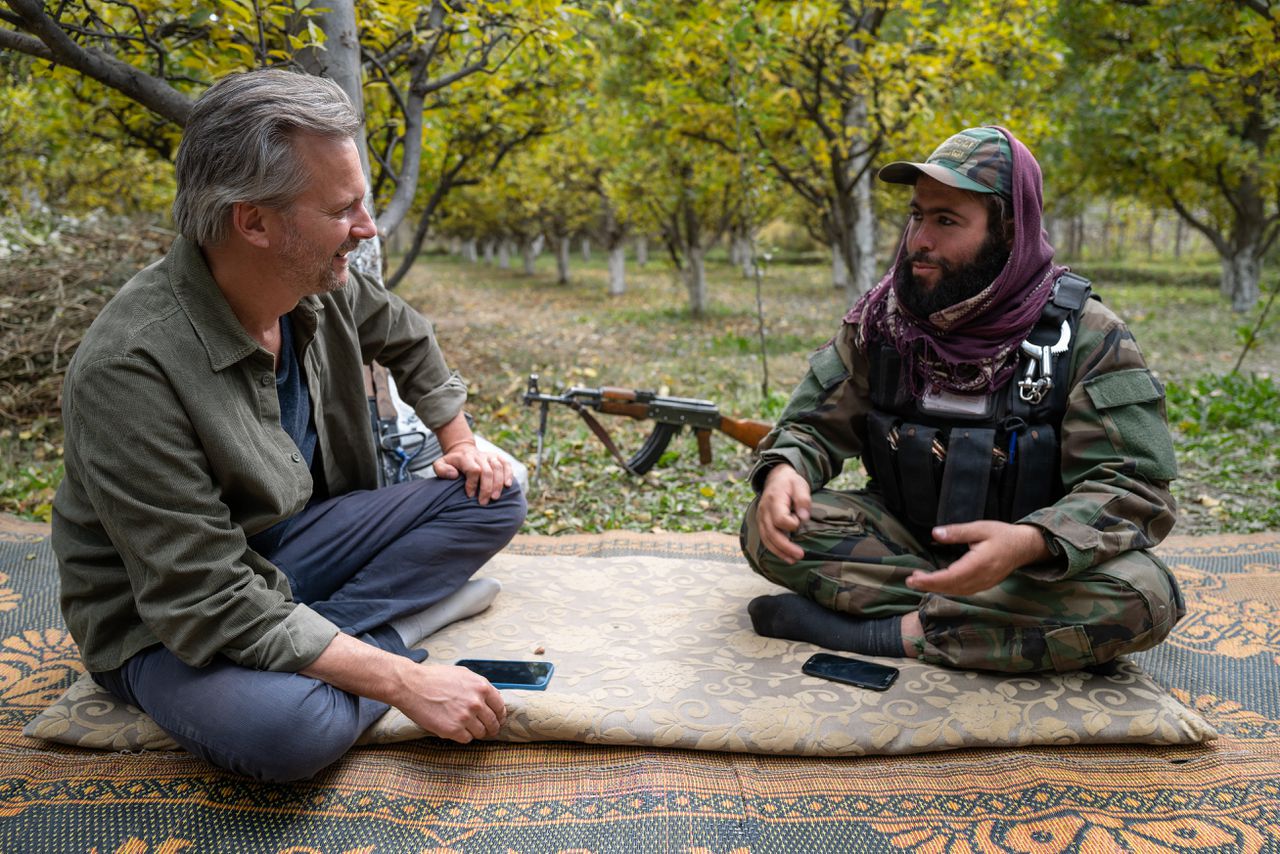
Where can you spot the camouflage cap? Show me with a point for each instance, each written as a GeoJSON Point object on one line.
{"type": "Point", "coordinates": [976, 159]}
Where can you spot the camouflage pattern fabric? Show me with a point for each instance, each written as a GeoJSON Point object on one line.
{"type": "Point", "coordinates": [1116, 463]}
{"type": "Point", "coordinates": [858, 556]}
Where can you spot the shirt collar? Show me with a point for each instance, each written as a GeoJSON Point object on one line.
{"type": "Point", "coordinates": [216, 325]}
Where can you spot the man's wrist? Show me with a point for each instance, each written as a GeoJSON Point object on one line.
{"type": "Point", "coordinates": [1040, 546]}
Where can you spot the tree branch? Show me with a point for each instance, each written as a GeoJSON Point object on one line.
{"type": "Point", "coordinates": [1212, 233]}
{"type": "Point", "coordinates": [1263, 9]}
{"type": "Point", "coordinates": [151, 92]}
{"type": "Point", "coordinates": [9, 40]}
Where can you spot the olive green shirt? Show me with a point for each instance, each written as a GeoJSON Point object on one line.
{"type": "Point", "coordinates": [175, 454]}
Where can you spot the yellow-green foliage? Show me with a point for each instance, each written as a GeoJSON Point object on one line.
{"type": "Point", "coordinates": [59, 153]}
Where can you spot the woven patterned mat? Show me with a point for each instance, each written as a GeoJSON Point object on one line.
{"type": "Point", "coordinates": [1223, 661]}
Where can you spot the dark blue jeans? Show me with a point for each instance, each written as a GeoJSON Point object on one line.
{"type": "Point", "coordinates": [362, 560]}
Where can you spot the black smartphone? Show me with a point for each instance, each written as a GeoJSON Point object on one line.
{"type": "Point", "coordinates": [530, 675]}
{"type": "Point", "coordinates": [851, 671]}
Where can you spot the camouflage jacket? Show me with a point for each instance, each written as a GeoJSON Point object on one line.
{"type": "Point", "coordinates": [1116, 460]}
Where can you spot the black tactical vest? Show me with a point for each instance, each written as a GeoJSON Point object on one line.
{"type": "Point", "coordinates": [957, 458]}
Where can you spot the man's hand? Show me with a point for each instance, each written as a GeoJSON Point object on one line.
{"type": "Point", "coordinates": [996, 549]}
{"type": "Point", "coordinates": [448, 701]}
{"type": "Point", "coordinates": [784, 505]}
{"type": "Point", "coordinates": [451, 702]}
{"type": "Point", "coordinates": [487, 472]}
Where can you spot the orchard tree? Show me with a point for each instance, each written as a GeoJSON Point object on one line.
{"type": "Point", "coordinates": [59, 155]}
{"type": "Point", "coordinates": [668, 93]}
{"type": "Point", "coordinates": [1176, 102]}
{"type": "Point", "coordinates": [835, 85]}
{"type": "Point", "coordinates": [148, 54]}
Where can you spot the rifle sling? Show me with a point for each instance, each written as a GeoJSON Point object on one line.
{"type": "Point", "coordinates": [601, 434]}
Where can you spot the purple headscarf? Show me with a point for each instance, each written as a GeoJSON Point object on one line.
{"type": "Point", "coordinates": [972, 346]}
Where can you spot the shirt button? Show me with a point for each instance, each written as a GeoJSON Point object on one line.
{"type": "Point", "coordinates": [296, 457]}
{"type": "Point", "coordinates": [266, 379]}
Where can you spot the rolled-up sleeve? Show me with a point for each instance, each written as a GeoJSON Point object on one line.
{"type": "Point", "coordinates": [396, 335]}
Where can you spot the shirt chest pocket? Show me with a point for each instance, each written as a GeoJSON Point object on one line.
{"type": "Point", "coordinates": [827, 367]}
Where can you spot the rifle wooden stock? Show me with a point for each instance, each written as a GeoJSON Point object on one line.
{"type": "Point", "coordinates": [745, 430]}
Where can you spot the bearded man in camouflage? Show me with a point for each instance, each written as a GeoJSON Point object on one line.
{"type": "Point", "coordinates": [1016, 442]}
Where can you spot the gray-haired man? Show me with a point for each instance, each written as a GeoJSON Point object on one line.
{"type": "Point", "coordinates": [226, 564]}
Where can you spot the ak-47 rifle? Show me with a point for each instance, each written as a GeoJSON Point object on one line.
{"type": "Point", "coordinates": [669, 414]}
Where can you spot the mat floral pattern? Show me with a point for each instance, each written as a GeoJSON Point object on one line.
{"type": "Point", "coordinates": [658, 652]}
{"type": "Point", "coordinates": [425, 795]}
{"type": "Point", "coordinates": [654, 651]}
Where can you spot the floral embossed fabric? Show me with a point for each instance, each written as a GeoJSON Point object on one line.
{"type": "Point", "coordinates": [658, 651]}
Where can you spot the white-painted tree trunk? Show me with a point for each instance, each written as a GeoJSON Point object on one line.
{"type": "Point", "coordinates": [340, 61]}
{"type": "Point", "coordinates": [745, 258]}
{"type": "Point", "coordinates": [1241, 272]}
{"type": "Point", "coordinates": [504, 254]}
{"type": "Point", "coordinates": [562, 260]}
{"type": "Point", "coordinates": [839, 272]}
{"type": "Point", "coordinates": [488, 250]}
{"type": "Point", "coordinates": [586, 249]}
{"type": "Point", "coordinates": [529, 252]}
{"type": "Point", "coordinates": [642, 251]}
{"type": "Point", "coordinates": [695, 280]}
{"type": "Point", "coordinates": [617, 271]}
{"type": "Point", "coordinates": [469, 250]}
{"type": "Point", "coordinates": [863, 274]}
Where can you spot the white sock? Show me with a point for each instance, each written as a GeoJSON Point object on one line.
{"type": "Point", "coordinates": [468, 600]}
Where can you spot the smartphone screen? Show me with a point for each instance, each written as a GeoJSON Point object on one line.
{"type": "Point", "coordinates": [851, 671]}
{"type": "Point", "coordinates": [530, 675]}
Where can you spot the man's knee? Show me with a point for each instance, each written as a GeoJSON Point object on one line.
{"type": "Point", "coordinates": [286, 741]}
{"type": "Point", "coordinates": [511, 507]}
{"type": "Point", "coordinates": [1125, 605]}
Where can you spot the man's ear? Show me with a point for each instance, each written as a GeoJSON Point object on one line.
{"type": "Point", "coordinates": [249, 223]}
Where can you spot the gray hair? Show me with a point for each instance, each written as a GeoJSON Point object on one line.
{"type": "Point", "coordinates": [237, 145]}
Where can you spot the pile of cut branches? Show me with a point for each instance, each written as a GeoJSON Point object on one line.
{"type": "Point", "coordinates": [53, 282]}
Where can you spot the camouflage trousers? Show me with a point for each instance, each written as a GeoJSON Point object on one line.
{"type": "Point", "coordinates": [858, 556]}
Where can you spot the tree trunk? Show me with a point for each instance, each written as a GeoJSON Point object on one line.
{"type": "Point", "coordinates": [642, 251]}
{"type": "Point", "coordinates": [1241, 272]}
{"type": "Point", "coordinates": [839, 272]}
{"type": "Point", "coordinates": [504, 254]}
{"type": "Point", "coordinates": [695, 280]}
{"type": "Point", "coordinates": [617, 270]}
{"type": "Point", "coordinates": [1106, 235]}
{"type": "Point", "coordinates": [853, 216]}
{"type": "Point", "coordinates": [743, 256]}
{"type": "Point", "coordinates": [469, 250]}
{"type": "Point", "coordinates": [529, 251]}
{"type": "Point", "coordinates": [586, 249]}
{"type": "Point", "coordinates": [340, 61]}
{"type": "Point", "coordinates": [488, 250]}
{"type": "Point", "coordinates": [562, 260]}
{"type": "Point", "coordinates": [1179, 232]}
